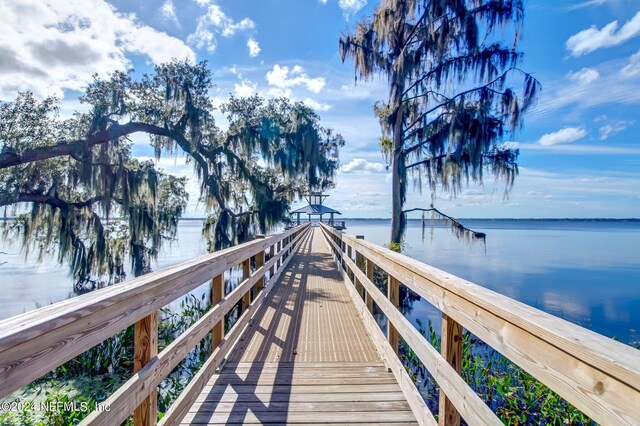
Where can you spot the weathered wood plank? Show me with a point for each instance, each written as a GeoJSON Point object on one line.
{"type": "Point", "coordinates": [230, 395]}
{"type": "Point", "coordinates": [310, 406]}
{"type": "Point", "coordinates": [246, 416]}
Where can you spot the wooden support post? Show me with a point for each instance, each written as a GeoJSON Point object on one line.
{"type": "Point", "coordinates": [368, 300]}
{"type": "Point", "coordinates": [145, 348]}
{"type": "Point", "coordinates": [349, 271]}
{"type": "Point", "coordinates": [360, 265]}
{"type": "Point", "coordinates": [246, 271]}
{"type": "Point", "coordinates": [451, 350]}
{"type": "Point", "coordinates": [278, 249]}
{"type": "Point", "coordinates": [217, 293]}
{"type": "Point", "coordinates": [393, 293]}
{"type": "Point", "coordinates": [259, 263]}
{"type": "Point", "coordinates": [272, 270]}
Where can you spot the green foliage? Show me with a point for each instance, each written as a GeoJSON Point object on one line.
{"type": "Point", "coordinates": [92, 204]}
{"type": "Point", "coordinates": [514, 395]}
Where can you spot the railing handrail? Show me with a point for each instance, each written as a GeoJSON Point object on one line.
{"type": "Point", "coordinates": [36, 342]}
{"type": "Point", "coordinates": [598, 375]}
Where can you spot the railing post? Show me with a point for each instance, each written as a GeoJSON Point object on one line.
{"type": "Point", "coordinates": [451, 350]}
{"type": "Point", "coordinates": [259, 263]}
{"type": "Point", "coordinates": [145, 348]}
{"type": "Point", "coordinates": [246, 271]}
{"type": "Point", "coordinates": [367, 297]}
{"type": "Point", "coordinates": [393, 293]}
{"type": "Point", "coordinates": [278, 249]}
{"type": "Point", "coordinates": [272, 270]}
{"type": "Point", "coordinates": [360, 265]}
{"type": "Point", "coordinates": [350, 273]}
{"type": "Point", "coordinates": [217, 293]}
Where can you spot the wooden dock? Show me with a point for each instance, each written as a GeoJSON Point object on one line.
{"type": "Point", "coordinates": [306, 348]}
{"type": "Point", "coordinates": [306, 357]}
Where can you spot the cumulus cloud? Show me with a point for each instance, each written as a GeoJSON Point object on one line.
{"type": "Point", "coordinates": [610, 129]}
{"type": "Point", "coordinates": [245, 88]}
{"type": "Point", "coordinates": [350, 7]}
{"type": "Point", "coordinates": [254, 47]}
{"type": "Point", "coordinates": [362, 165]}
{"type": "Point", "coordinates": [168, 11]}
{"type": "Point", "coordinates": [586, 41]}
{"type": "Point", "coordinates": [633, 67]}
{"type": "Point", "coordinates": [214, 22]}
{"type": "Point", "coordinates": [283, 79]}
{"type": "Point", "coordinates": [568, 134]}
{"type": "Point", "coordinates": [48, 47]}
{"type": "Point", "coordinates": [316, 105]}
{"type": "Point", "coordinates": [584, 76]}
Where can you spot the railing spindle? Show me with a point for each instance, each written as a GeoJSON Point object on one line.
{"type": "Point", "coordinates": [217, 293]}
{"type": "Point", "coordinates": [393, 293]}
{"type": "Point", "coordinates": [451, 350]}
{"type": "Point", "coordinates": [259, 264]}
{"type": "Point", "coordinates": [360, 264]}
{"type": "Point", "coordinates": [246, 271]}
{"type": "Point", "coordinates": [369, 271]}
{"type": "Point", "coordinates": [145, 334]}
{"type": "Point", "coordinates": [272, 270]}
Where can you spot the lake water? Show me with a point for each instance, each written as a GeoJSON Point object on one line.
{"type": "Point", "coordinates": [587, 272]}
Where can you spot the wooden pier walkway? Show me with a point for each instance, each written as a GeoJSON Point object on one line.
{"type": "Point", "coordinates": [306, 348]}
{"type": "Point", "coordinates": [306, 357]}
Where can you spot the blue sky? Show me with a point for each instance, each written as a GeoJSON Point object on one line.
{"type": "Point", "coordinates": [580, 147]}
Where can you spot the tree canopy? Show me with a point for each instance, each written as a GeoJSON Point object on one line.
{"type": "Point", "coordinates": [449, 103]}
{"type": "Point", "coordinates": [78, 190]}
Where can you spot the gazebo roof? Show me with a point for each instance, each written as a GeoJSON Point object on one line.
{"type": "Point", "coordinates": [315, 209]}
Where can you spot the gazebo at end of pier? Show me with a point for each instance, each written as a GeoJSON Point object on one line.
{"type": "Point", "coordinates": [317, 208]}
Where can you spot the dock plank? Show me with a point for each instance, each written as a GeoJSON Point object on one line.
{"type": "Point", "coordinates": [307, 358]}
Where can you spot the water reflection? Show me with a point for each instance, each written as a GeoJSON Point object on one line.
{"type": "Point", "coordinates": [585, 272]}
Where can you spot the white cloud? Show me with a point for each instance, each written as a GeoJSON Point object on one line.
{"type": "Point", "coordinates": [587, 3]}
{"type": "Point", "coordinates": [324, 1]}
{"type": "Point", "coordinates": [568, 134]}
{"type": "Point", "coordinates": [48, 47]}
{"type": "Point", "coordinates": [362, 165]}
{"type": "Point", "coordinates": [215, 21]}
{"type": "Point", "coordinates": [245, 88]}
{"type": "Point", "coordinates": [168, 11]}
{"type": "Point", "coordinates": [633, 67]}
{"type": "Point", "coordinates": [284, 78]}
{"type": "Point", "coordinates": [254, 47]}
{"type": "Point", "coordinates": [586, 41]}
{"type": "Point", "coordinates": [350, 7]}
{"type": "Point", "coordinates": [584, 76]}
{"type": "Point", "coordinates": [609, 129]}
{"type": "Point", "coordinates": [316, 105]}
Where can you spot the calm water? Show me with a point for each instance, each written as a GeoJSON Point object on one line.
{"type": "Point", "coordinates": [587, 272]}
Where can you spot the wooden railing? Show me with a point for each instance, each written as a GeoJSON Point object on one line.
{"type": "Point", "coordinates": [599, 376]}
{"type": "Point", "coordinates": [34, 343]}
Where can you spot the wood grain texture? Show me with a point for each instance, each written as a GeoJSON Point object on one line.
{"type": "Point", "coordinates": [599, 376]}
{"type": "Point", "coordinates": [217, 293]}
{"type": "Point", "coordinates": [472, 408]}
{"type": "Point", "coordinates": [451, 350]}
{"type": "Point", "coordinates": [409, 390]}
{"type": "Point", "coordinates": [187, 398]}
{"type": "Point", "coordinates": [393, 294]}
{"type": "Point", "coordinates": [145, 348]}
